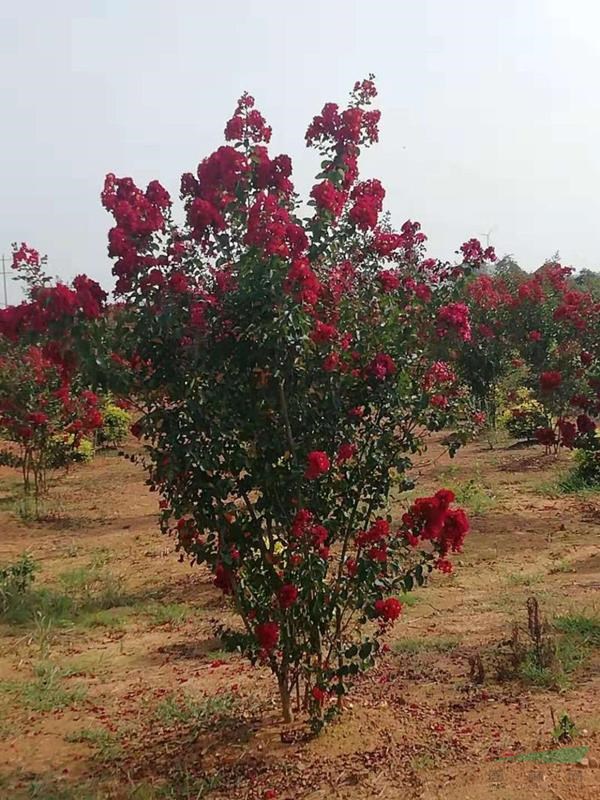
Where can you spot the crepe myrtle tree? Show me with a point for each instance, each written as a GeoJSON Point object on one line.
{"type": "Point", "coordinates": [285, 379]}
{"type": "Point", "coordinates": [285, 370]}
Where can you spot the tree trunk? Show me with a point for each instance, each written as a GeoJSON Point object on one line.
{"type": "Point", "coordinates": [286, 700]}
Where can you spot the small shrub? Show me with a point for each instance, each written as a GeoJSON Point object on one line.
{"type": "Point", "coordinates": [476, 497]}
{"type": "Point", "coordinates": [62, 452]}
{"type": "Point", "coordinates": [544, 654]}
{"type": "Point", "coordinates": [525, 417]}
{"type": "Point", "coordinates": [565, 729]}
{"type": "Point", "coordinates": [530, 654]}
{"type": "Point", "coordinates": [585, 475]}
{"type": "Point", "coordinates": [16, 579]}
{"type": "Point", "coordinates": [115, 426]}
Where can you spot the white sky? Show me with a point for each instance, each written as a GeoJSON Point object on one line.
{"type": "Point", "coordinates": [491, 110]}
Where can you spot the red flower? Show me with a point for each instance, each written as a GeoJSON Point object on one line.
{"type": "Point", "coordinates": [323, 333]}
{"type": "Point", "coordinates": [535, 336]}
{"type": "Point", "coordinates": [38, 418]}
{"type": "Point", "coordinates": [473, 252]}
{"type": "Point", "coordinates": [389, 280]}
{"type": "Point", "coordinates": [178, 282]}
{"type": "Point", "coordinates": [455, 316]}
{"type": "Point", "coordinates": [568, 433]}
{"type": "Point", "coordinates": [317, 464]}
{"type": "Point", "coordinates": [302, 283]}
{"type": "Point", "coordinates": [345, 452]}
{"type": "Point", "coordinates": [381, 367]}
{"type": "Point", "coordinates": [439, 401]}
{"type": "Point", "coordinates": [585, 424]}
{"type": "Point", "coordinates": [267, 634]}
{"type": "Point", "coordinates": [545, 436]}
{"type": "Point", "coordinates": [328, 198]}
{"type": "Point", "coordinates": [389, 609]}
{"type": "Point", "coordinates": [223, 579]}
{"type": "Point", "coordinates": [423, 292]}
{"type": "Point", "coordinates": [351, 567]}
{"type": "Point", "coordinates": [320, 695]}
{"type": "Point", "coordinates": [287, 595]}
{"type": "Point", "coordinates": [444, 565]}
{"type": "Point", "coordinates": [550, 381]}
{"type": "Point", "coordinates": [456, 527]}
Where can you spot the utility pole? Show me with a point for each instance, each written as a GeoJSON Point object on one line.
{"type": "Point", "coordinates": [4, 274]}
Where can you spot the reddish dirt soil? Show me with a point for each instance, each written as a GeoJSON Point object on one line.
{"type": "Point", "coordinates": [139, 639]}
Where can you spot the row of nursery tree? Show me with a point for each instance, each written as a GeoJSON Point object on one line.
{"type": "Point", "coordinates": [283, 370]}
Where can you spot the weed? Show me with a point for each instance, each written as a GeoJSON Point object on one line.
{"type": "Point", "coordinates": [523, 578]}
{"type": "Point", "coordinates": [106, 746]}
{"type": "Point", "coordinates": [199, 715]}
{"type": "Point", "coordinates": [169, 613]}
{"type": "Point", "coordinates": [16, 580]}
{"type": "Point", "coordinates": [475, 496]}
{"type": "Point", "coordinates": [185, 786]}
{"type": "Point", "coordinates": [566, 755]}
{"type": "Point", "coordinates": [44, 634]}
{"type": "Point", "coordinates": [565, 729]}
{"type": "Point", "coordinates": [586, 628]}
{"type": "Point", "coordinates": [574, 482]}
{"type": "Point", "coordinates": [112, 618]}
{"type": "Point", "coordinates": [564, 565]}
{"type": "Point", "coordinates": [46, 692]}
{"type": "Point", "coordinates": [425, 761]}
{"type": "Point", "coordinates": [440, 644]}
{"type": "Point", "coordinates": [550, 652]}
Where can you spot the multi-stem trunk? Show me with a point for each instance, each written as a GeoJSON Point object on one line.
{"type": "Point", "coordinates": [285, 695]}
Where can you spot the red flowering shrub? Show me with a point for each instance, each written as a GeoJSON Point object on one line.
{"type": "Point", "coordinates": [283, 367]}
{"type": "Point", "coordinates": [285, 379]}
{"type": "Point", "coordinates": [39, 412]}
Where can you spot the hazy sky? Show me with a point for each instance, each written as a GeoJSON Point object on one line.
{"type": "Point", "coordinates": [491, 110]}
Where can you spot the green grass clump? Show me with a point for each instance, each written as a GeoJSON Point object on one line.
{"type": "Point", "coordinates": [47, 692]}
{"type": "Point", "coordinates": [106, 746]}
{"type": "Point", "coordinates": [439, 644]}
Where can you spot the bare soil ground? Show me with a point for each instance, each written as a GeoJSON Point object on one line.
{"type": "Point", "coordinates": [112, 684]}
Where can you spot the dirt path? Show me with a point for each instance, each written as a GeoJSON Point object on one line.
{"type": "Point", "coordinates": [112, 684]}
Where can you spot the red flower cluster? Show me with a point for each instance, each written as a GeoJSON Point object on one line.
{"type": "Point", "coordinates": [585, 424]}
{"type": "Point", "coordinates": [381, 367]}
{"type": "Point", "coordinates": [388, 610]}
{"type": "Point", "coordinates": [375, 539]}
{"type": "Point", "coordinates": [323, 333]}
{"type": "Point", "coordinates": [247, 124]}
{"type": "Point", "coordinates": [550, 381]}
{"type": "Point", "coordinates": [328, 198]}
{"type": "Point", "coordinates": [490, 293]}
{"type": "Point", "coordinates": [440, 372]}
{"type": "Point", "coordinates": [302, 283]}
{"type": "Point", "coordinates": [138, 215]}
{"type": "Point", "coordinates": [474, 254]}
{"type": "Point", "coordinates": [368, 201]}
{"type": "Point", "coordinates": [389, 280]}
{"type": "Point", "coordinates": [353, 126]}
{"type": "Point", "coordinates": [345, 452]}
{"type": "Point", "coordinates": [432, 519]}
{"type": "Point", "coordinates": [317, 464]}
{"type": "Point", "coordinates": [270, 228]}
{"type": "Point", "coordinates": [454, 316]}
{"type": "Point", "coordinates": [287, 595]}
{"type": "Point", "coordinates": [52, 304]}
{"type": "Point", "coordinates": [267, 635]}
